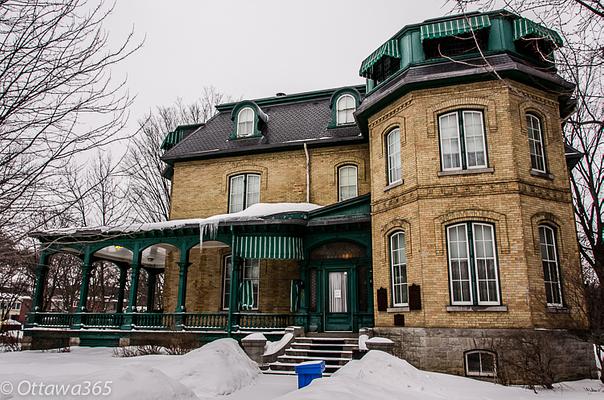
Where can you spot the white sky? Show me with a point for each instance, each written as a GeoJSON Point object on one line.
{"type": "Point", "coordinates": [253, 49]}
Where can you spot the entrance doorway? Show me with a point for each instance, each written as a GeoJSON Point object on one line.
{"type": "Point", "coordinates": [338, 316]}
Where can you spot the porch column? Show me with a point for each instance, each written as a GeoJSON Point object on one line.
{"type": "Point", "coordinates": [134, 275]}
{"type": "Point", "coordinates": [233, 294]}
{"type": "Point", "coordinates": [86, 269]}
{"type": "Point", "coordinates": [119, 306]}
{"type": "Point", "coordinates": [183, 265]}
{"type": "Point", "coordinates": [151, 284]}
{"type": "Point", "coordinates": [41, 275]}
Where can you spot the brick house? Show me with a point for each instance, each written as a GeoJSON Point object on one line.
{"type": "Point", "coordinates": [431, 204]}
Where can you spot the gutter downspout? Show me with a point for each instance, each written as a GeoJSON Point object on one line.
{"type": "Point", "coordinates": [307, 173]}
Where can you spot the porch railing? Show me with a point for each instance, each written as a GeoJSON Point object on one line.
{"type": "Point", "coordinates": [211, 321]}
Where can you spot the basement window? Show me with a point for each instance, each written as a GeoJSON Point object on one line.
{"type": "Point", "coordinates": [480, 363]}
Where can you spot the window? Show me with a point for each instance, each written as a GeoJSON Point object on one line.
{"type": "Point", "coordinates": [393, 142]}
{"type": "Point", "coordinates": [345, 107]}
{"type": "Point", "coordinates": [480, 363]}
{"type": "Point", "coordinates": [250, 271]}
{"type": "Point", "coordinates": [245, 122]}
{"type": "Point", "coordinates": [472, 264]}
{"type": "Point", "coordinates": [398, 266]}
{"type": "Point", "coordinates": [535, 137]}
{"type": "Point", "coordinates": [244, 191]}
{"type": "Point", "coordinates": [347, 182]}
{"type": "Point", "coordinates": [462, 140]}
{"type": "Point", "coordinates": [551, 268]}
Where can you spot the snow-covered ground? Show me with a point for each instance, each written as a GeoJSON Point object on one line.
{"type": "Point", "coordinates": [220, 370]}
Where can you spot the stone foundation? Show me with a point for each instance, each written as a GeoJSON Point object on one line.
{"type": "Point", "coordinates": [554, 353]}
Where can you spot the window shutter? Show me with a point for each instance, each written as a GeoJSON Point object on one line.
{"type": "Point", "coordinates": [415, 297]}
{"type": "Point", "coordinates": [382, 299]}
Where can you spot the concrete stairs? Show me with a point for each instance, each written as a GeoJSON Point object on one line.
{"type": "Point", "coordinates": [335, 350]}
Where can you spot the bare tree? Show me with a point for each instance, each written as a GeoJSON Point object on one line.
{"type": "Point", "coordinates": [58, 98]}
{"type": "Point", "coordinates": [149, 190]}
{"type": "Point", "coordinates": [16, 274]}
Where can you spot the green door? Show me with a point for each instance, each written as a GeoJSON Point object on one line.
{"type": "Point", "coordinates": [338, 310]}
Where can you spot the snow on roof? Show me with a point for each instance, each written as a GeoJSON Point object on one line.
{"type": "Point", "coordinates": [252, 213]}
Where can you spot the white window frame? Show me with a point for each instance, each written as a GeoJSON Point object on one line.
{"type": "Point", "coordinates": [393, 155]}
{"type": "Point", "coordinates": [340, 181]}
{"type": "Point", "coordinates": [245, 127]}
{"type": "Point", "coordinates": [471, 260]}
{"type": "Point", "coordinates": [403, 266]}
{"type": "Point", "coordinates": [538, 143]}
{"type": "Point", "coordinates": [247, 263]}
{"type": "Point", "coordinates": [481, 373]}
{"type": "Point", "coordinates": [246, 193]}
{"type": "Point", "coordinates": [556, 261]}
{"type": "Point", "coordinates": [345, 108]}
{"type": "Point", "coordinates": [462, 154]}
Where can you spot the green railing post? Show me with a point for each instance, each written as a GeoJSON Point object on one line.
{"type": "Point", "coordinates": [183, 265]}
{"type": "Point", "coordinates": [119, 305]}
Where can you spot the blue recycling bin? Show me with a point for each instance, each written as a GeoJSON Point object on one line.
{"type": "Point", "coordinates": [309, 370]}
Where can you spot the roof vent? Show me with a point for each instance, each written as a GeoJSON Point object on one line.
{"type": "Point", "coordinates": [280, 94]}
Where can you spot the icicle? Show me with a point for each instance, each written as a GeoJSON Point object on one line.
{"type": "Point", "coordinates": [207, 231]}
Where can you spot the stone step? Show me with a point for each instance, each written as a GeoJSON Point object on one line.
{"type": "Point", "coordinates": [299, 359]}
{"type": "Point", "coordinates": [288, 366]}
{"type": "Point", "coordinates": [327, 340]}
{"type": "Point", "coordinates": [290, 373]}
{"type": "Point", "coordinates": [314, 351]}
{"type": "Point", "coordinates": [325, 346]}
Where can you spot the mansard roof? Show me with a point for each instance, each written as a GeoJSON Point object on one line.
{"type": "Point", "coordinates": [292, 121]}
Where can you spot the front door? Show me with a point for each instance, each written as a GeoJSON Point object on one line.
{"type": "Point", "coordinates": [338, 315]}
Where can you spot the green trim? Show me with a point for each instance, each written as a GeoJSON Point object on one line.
{"type": "Point", "coordinates": [176, 136]}
{"type": "Point", "coordinates": [454, 27]}
{"type": "Point", "coordinates": [524, 27]}
{"type": "Point", "coordinates": [388, 49]}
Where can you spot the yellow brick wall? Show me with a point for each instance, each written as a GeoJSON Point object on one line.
{"type": "Point", "coordinates": [506, 194]}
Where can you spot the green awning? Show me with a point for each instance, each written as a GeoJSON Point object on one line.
{"type": "Point", "coordinates": [269, 247]}
{"type": "Point", "coordinates": [454, 27]}
{"type": "Point", "coordinates": [172, 139]}
{"type": "Point", "coordinates": [388, 49]}
{"type": "Point", "coordinates": [525, 27]}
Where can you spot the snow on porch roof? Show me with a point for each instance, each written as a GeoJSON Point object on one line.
{"type": "Point", "coordinates": [253, 213]}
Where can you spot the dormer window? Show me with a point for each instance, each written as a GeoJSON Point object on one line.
{"type": "Point", "coordinates": [245, 122]}
{"type": "Point", "coordinates": [345, 107]}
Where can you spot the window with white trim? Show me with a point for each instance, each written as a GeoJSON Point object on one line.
{"type": "Point", "coordinates": [473, 276]}
{"type": "Point", "coordinates": [347, 182]}
{"type": "Point", "coordinates": [535, 138]}
{"type": "Point", "coordinates": [551, 266]}
{"type": "Point", "coordinates": [245, 122]}
{"type": "Point", "coordinates": [249, 271]}
{"type": "Point", "coordinates": [345, 107]}
{"type": "Point", "coordinates": [481, 363]}
{"type": "Point", "coordinates": [393, 150]}
{"type": "Point", "coordinates": [398, 269]}
{"type": "Point", "coordinates": [462, 140]}
{"type": "Point", "coordinates": [244, 191]}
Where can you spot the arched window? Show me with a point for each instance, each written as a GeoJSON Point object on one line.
{"type": "Point", "coordinates": [551, 266]}
{"type": "Point", "coordinates": [472, 244]}
{"type": "Point", "coordinates": [398, 268]}
{"type": "Point", "coordinates": [245, 122]}
{"type": "Point", "coordinates": [462, 140]}
{"type": "Point", "coordinates": [535, 138]}
{"type": "Point", "coordinates": [481, 363]}
{"type": "Point", "coordinates": [244, 191]}
{"type": "Point", "coordinates": [393, 149]}
{"type": "Point", "coordinates": [347, 182]}
{"type": "Point", "coordinates": [345, 107]}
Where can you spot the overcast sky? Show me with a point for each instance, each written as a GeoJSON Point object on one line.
{"type": "Point", "coordinates": [253, 49]}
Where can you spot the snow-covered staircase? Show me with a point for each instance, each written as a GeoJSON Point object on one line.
{"type": "Point", "coordinates": [335, 351]}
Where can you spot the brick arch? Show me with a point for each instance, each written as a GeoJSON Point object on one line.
{"type": "Point", "coordinates": [546, 218]}
{"type": "Point", "coordinates": [486, 104]}
{"type": "Point", "coordinates": [497, 219]}
{"type": "Point", "coordinates": [248, 169]}
{"type": "Point", "coordinates": [547, 123]}
{"type": "Point", "coordinates": [397, 224]}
